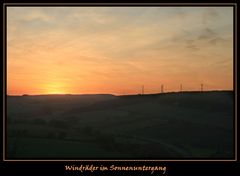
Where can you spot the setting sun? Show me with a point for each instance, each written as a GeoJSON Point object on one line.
{"type": "Point", "coordinates": [55, 92]}
{"type": "Point", "coordinates": [56, 88]}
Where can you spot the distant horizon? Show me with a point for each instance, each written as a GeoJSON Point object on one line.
{"type": "Point", "coordinates": [116, 50]}
{"type": "Point", "coordinates": [184, 91]}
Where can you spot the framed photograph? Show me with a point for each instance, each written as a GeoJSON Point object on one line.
{"type": "Point", "coordinates": [131, 89]}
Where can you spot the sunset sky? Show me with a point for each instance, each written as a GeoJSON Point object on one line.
{"type": "Point", "coordinates": [116, 50]}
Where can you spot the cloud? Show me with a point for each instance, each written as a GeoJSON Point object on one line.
{"type": "Point", "coordinates": [37, 15]}
{"type": "Point", "coordinates": [207, 33]}
{"type": "Point", "coordinates": [209, 15]}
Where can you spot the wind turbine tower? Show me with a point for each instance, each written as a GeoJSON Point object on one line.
{"type": "Point", "coordinates": [143, 90]}
{"type": "Point", "coordinates": [162, 88]}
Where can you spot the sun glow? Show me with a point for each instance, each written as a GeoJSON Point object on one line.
{"type": "Point", "coordinates": [56, 88]}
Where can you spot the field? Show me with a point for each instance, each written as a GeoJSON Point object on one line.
{"type": "Point", "coordinates": [183, 125]}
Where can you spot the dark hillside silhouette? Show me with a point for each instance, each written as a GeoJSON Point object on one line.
{"type": "Point", "coordinates": [177, 125]}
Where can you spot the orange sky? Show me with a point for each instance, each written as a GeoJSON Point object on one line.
{"type": "Point", "coordinates": [116, 50]}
